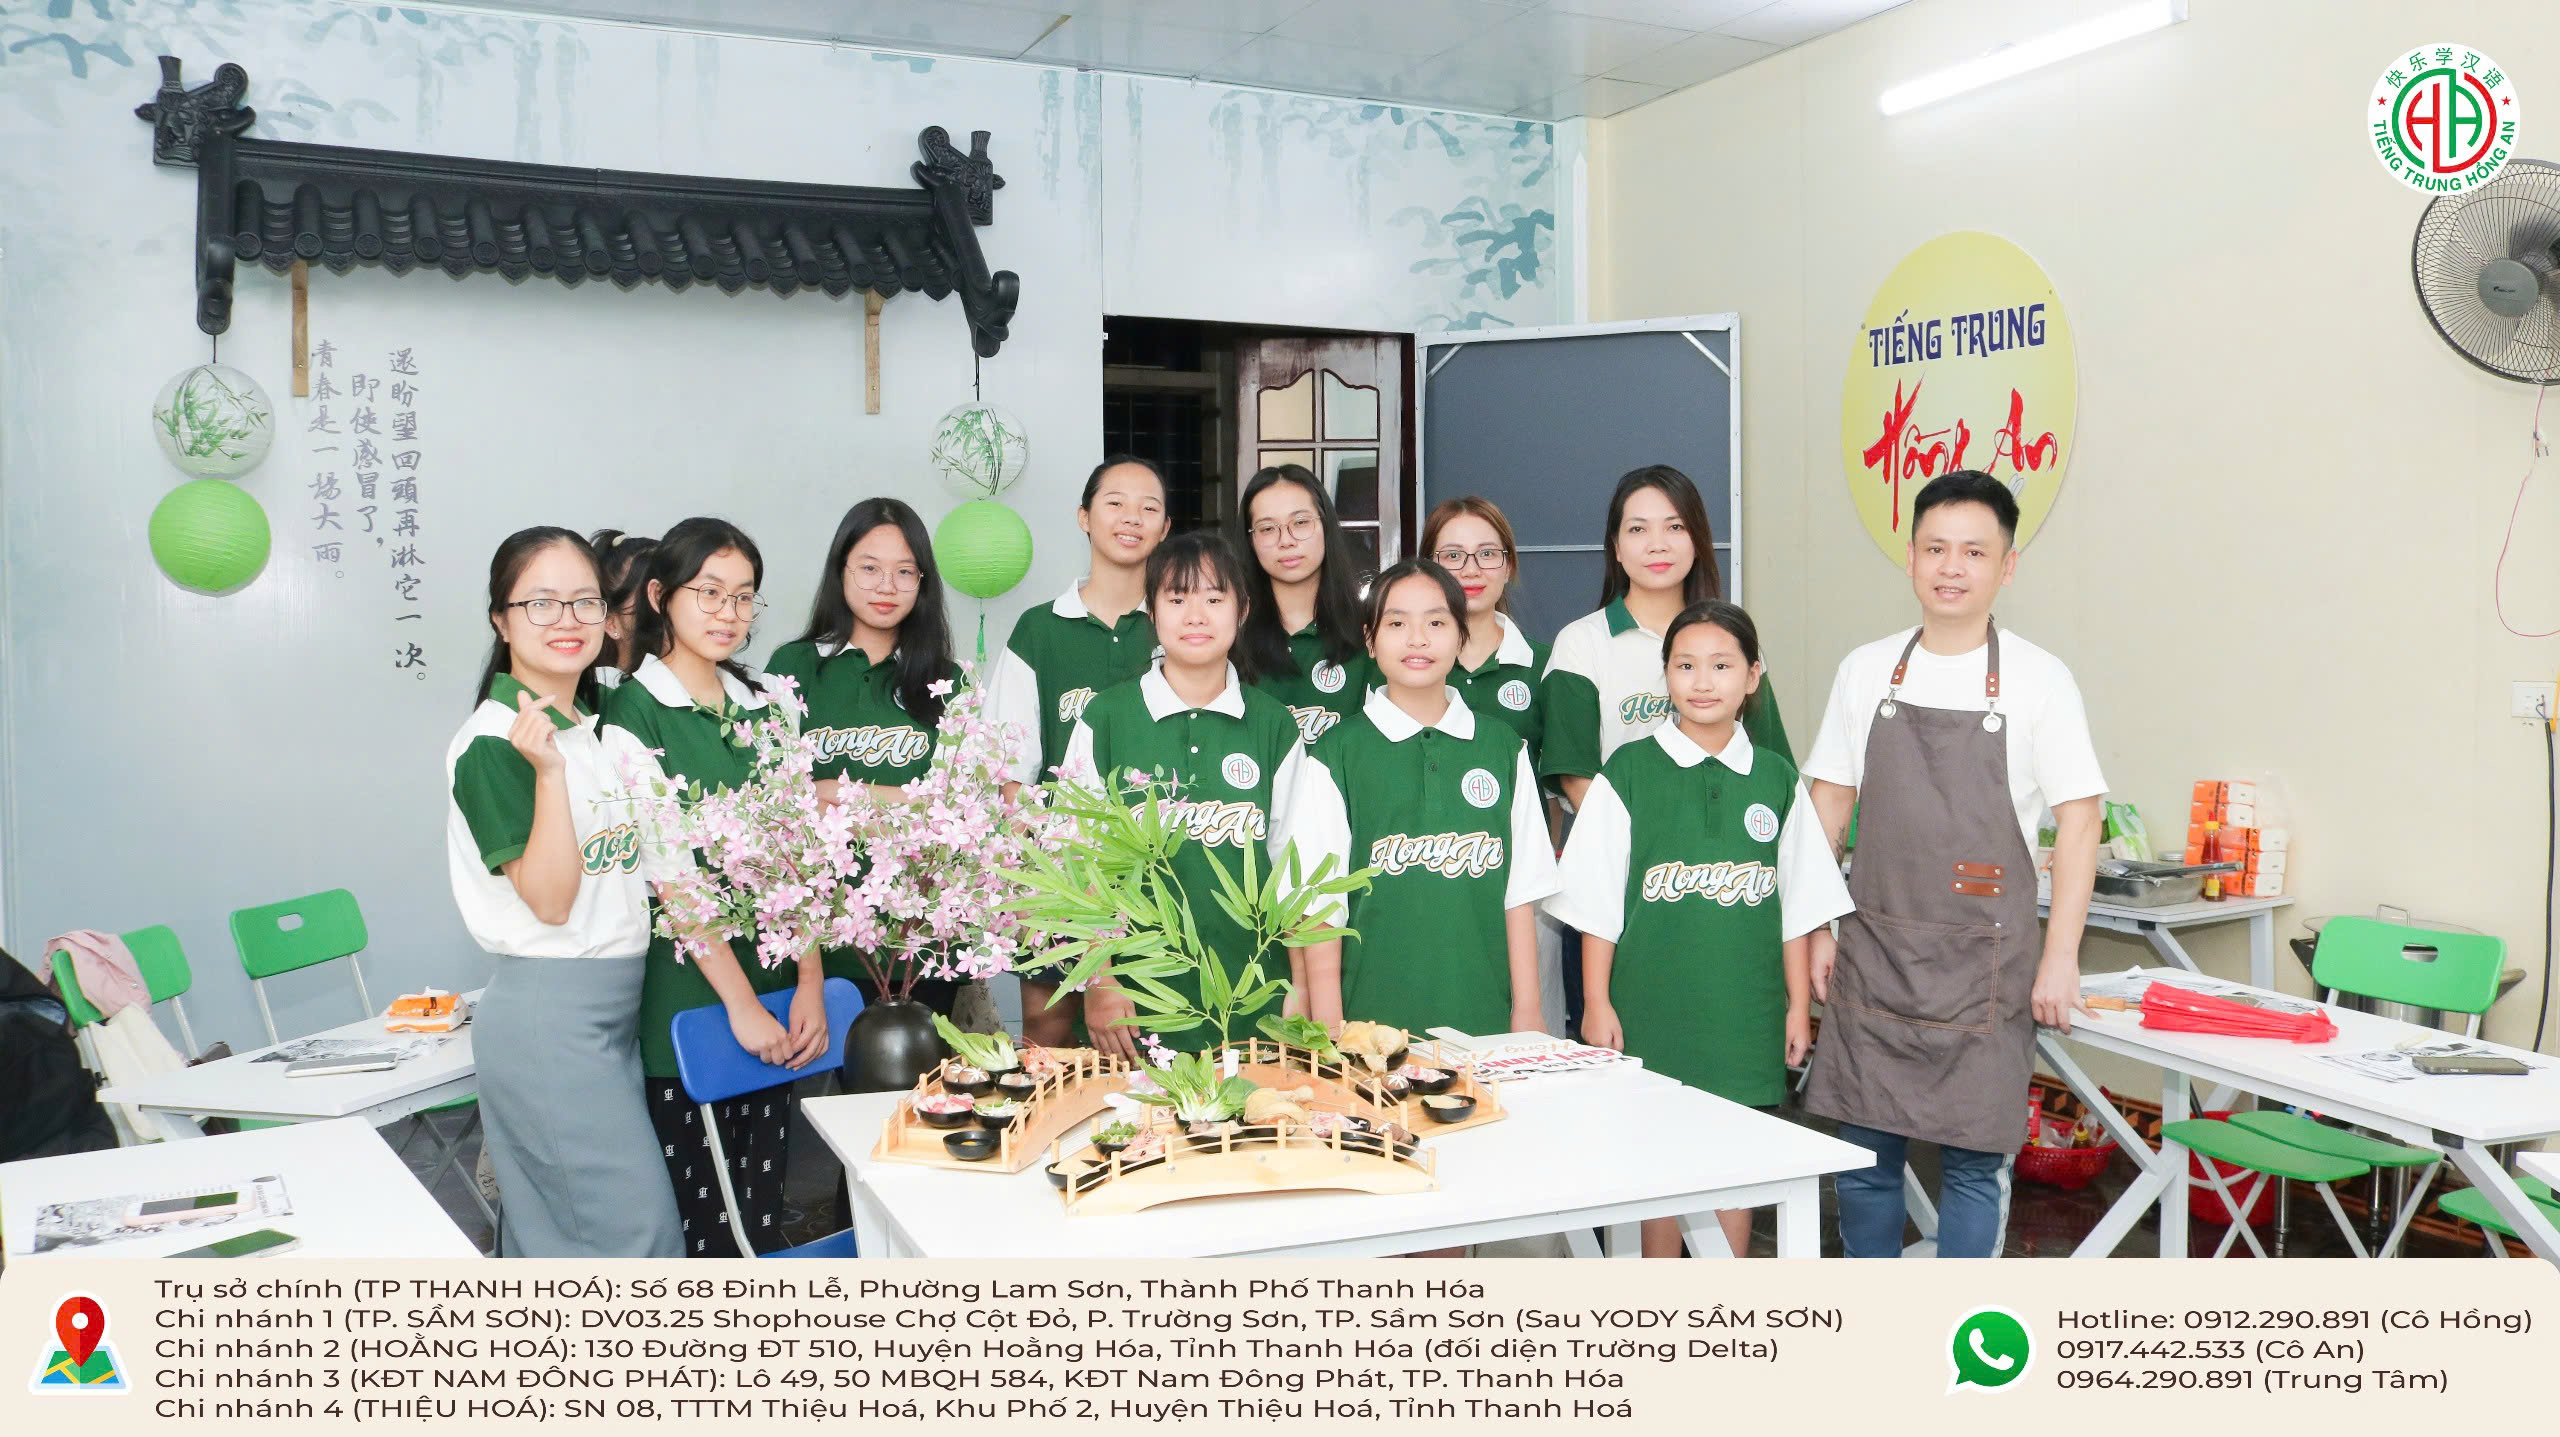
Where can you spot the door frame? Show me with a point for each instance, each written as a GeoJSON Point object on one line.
{"type": "Point", "coordinates": [1435, 349]}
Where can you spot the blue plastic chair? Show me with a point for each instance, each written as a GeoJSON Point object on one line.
{"type": "Point", "coordinates": [714, 1069]}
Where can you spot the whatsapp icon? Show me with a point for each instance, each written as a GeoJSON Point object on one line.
{"type": "Point", "coordinates": [1990, 1347]}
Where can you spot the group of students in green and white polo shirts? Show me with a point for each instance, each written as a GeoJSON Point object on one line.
{"type": "Point", "coordinates": [1423, 735]}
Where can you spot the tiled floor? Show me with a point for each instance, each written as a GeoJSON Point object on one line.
{"type": "Point", "coordinates": [2043, 1221]}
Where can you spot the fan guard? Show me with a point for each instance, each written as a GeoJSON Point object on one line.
{"type": "Point", "coordinates": [2487, 267]}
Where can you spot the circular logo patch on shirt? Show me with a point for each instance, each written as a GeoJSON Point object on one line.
{"type": "Point", "coordinates": [1761, 822]}
{"type": "Point", "coordinates": [1514, 695]}
{"type": "Point", "coordinates": [1240, 771]}
{"type": "Point", "coordinates": [1329, 677]}
{"type": "Point", "coordinates": [1480, 788]}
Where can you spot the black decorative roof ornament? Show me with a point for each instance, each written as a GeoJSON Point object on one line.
{"type": "Point", "coordinates": [276, 202]}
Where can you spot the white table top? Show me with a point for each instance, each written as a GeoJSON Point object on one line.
{"type": "Point", "coordinates": [241, 1086]}
{"type": "Point", "coordinates": [2182, 915]}
{"type": "Point", "coordinates": [2483, 1109]}
{"type": "Point", "coordinates": [351, 1195]}
{"type": "Point", "coordinates": [1571, 1141]}
{"type": "Point", "coordinates": [2545, 1166]}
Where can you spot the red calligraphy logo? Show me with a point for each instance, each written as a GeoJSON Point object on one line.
{"type": "Point", "coordinates": [2021, 456]}
{"type": "Point", "coordinates": [1905, 450]}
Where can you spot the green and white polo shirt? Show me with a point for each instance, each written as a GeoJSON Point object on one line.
{"type": "Point", "coordinates": [1699, 867]}
{"type": "Point", "coordinates": [1059, 657]}
{"type": "Point", "coordinates": [1451, 817]}
{"type": "Point", "coordinates": [490, 820]}
{"type": "Point", "coordinates": [1506, 688]}
{"type": "Point", "coordinates": [1321, 693]}
{"type": "Point", "coordinates": [1604, 686]}
{"type": "Point", "coordinates": [863, 732]}
{"type": "Point", "coordinates": [1233, 766]}
{"type": "Point", "coordinates": [700, 745]}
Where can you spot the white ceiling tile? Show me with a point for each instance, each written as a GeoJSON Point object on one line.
{"type": "Point", "coordinates": [1700, 57]}
{"type": "Point", "coordinates": [1560, 49]}
{"type": "Point", "coordinates": [1674, 14]}
{"type": "Point", "coordinates": [954, 27]}
{"type": "Point", "coordinates": [1252, 15]}
{"type": "Point", "coordinates": [1792, 22]}
{"type": "Point", "coordinates": [1457, 82]}
{"type": "Point", "coordinates": [1280, 64]}
{"type": "Point", "coordinates": [1134, 45]}
{"type": "Point", "coordinates": [1407, 28]}
{"type": "Point", "coordinates": [1591, 98]}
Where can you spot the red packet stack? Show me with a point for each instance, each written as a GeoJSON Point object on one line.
{"type": "Point", "coordinates": [2184, 1010]}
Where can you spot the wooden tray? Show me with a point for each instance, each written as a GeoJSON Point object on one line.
{"type": "Point", "coordinates": [1410, 1112]}
{"type": "Point", "coordinates": [1259, 1160]}
{"type": "Point", "coordinates": [1058, 1104]}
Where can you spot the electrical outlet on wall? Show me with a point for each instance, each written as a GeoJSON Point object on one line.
{"type": "Point", "coordinates": [2531, 702]}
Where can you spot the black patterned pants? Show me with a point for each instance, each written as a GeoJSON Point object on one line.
{"type": "Point", "coordinates": [755, 1133]}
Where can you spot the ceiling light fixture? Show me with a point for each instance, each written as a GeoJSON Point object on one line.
{"type": "Point", "coordinates": [2017, 59]}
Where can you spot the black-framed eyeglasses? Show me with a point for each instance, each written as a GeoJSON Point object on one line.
{"type": "Point", "coordinates": [1489, 558]}
{"type": "Point", "coordinates": [715, 602]}
{"type": "Point", "coordinates": [543, 613]}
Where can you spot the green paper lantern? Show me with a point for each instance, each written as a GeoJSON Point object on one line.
{"type": "Point", "coordinates": [209, 535]}
{"type": "Point", "coordinates": [984, 548]}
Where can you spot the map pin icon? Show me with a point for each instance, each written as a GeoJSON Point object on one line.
{"type": "Point", "coordinates": [81, 1324]}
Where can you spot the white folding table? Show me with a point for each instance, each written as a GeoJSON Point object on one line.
{"type": "Point", "coordinates": [1597, 1149]}
{"type": "Point", "coordinates": [351, 1195]}
{"type": "Point", "coordinates": [2159, 927]}
{"type": "Point", "coordinates": [242, 1087]}
{"type": "Point", "coordinates": [2465, 1118]}
{"type": "Point", "coordinates": [2545, 1166]}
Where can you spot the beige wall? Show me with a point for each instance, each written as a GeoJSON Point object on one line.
{"type": "Point", "coordinates": [2273, 549]}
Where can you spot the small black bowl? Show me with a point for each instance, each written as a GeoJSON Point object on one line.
{"type": "Point", "coordinates": [1425, 1087]}
{"type": "Point", "coordinates": [978, 1089]}
{"type": "Point", "coordinates": [972, 1145]}
{"type": "Point", "coordinates": [1057, 1172]}
{"type": "Point", "coordinates": [1013, 1067]}
{"type": "Point", "coordinates": [1106, 1151]}
{"type": "Point", "coordinates": [1017, 1085]}
{"type": "Point", "coordinates": [996, 1122]}
{"type": "Point", "coordinates": [958, 1119]}
{"type": "Point", "coordinates": [1445, 1109]}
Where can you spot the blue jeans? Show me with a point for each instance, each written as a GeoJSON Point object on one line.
{"type": "Point", "coordinates": [1973, 1199]}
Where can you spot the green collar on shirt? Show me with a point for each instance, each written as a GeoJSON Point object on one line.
{"type": "Point", "coordinates": [504, 688]}
{"type": "Point", "coordinates": [1619, 619]}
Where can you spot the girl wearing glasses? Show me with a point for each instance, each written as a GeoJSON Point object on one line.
{"type": "Point", "coordinates": [876, 646]}
{"type": "Point", "coordinates": [1093, 636]}
{"type": "Point", "coordinates": [1301, 638]}
{"type": "Point", "coordinates": [1604, 681]}
{"type": "Point", "coordinates": [1497, 671]}
{"type": "Point", "coordinates": [545, 862]}
{"type": "Point", "coordinates": [685, 701]}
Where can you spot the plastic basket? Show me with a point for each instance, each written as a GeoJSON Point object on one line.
{"type": "Point", "coordinates": [2061, 1167]}
{"type": "Point", "coordinates": [2206, 1205]}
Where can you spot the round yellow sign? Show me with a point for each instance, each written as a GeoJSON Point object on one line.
{"type": "Point", "coordinates": [1964, 362]}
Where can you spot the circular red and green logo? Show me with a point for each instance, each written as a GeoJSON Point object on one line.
{"type": "Point", "coordinates": [2443, 118]}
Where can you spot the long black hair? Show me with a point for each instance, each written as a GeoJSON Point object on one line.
{"type": "Point", "coordinates": [1199, 560]}
{"type": "Point", "coordinates": [1731, 618]}
{"type": "Point", "coordinates": [506, 567]}
{"type": "Point", "coordinates": [1263, 640]}
{"type": "Point", "coordinates": [1417, 569]}
{"type": "Point", "coordinates": [621, 571]}
{"type": "Point", "coordinates": [924, 636]}
{"type": "Point", "coordinates": [1704, 581]}
{"type": "Point", "coordinates": [676, 562]}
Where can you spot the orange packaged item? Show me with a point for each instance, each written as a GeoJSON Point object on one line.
{"type": "Point", "coordinates": [428, 1012]}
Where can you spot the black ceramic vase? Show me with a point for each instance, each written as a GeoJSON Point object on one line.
{"type": "Point", "coordinates": [890, 1046]}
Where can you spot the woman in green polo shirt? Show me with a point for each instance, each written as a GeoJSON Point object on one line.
{"type": "Point", "coordinates": [1301, 638]}
{"type": "Point", "coordinates": [1497, 671]}
{"type": "Point", "coordinates": [1089, 638]}
{"type": "Point", "coordinates": [1444, 804]}
{"type": "Point", "coordinates": [545, 863]}
{"type": "Point", "coordinates": [1229, 754]}
{"type": "Point", "coordinates": [686, 701]}
{"type": "Point", "coordinates": [876, 648]}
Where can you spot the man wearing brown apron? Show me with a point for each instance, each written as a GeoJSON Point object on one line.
{"type": "Point", "coordinates": [1948, 743]}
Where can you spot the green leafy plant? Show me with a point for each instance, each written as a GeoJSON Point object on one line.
{"type": "Point", "coordinates": [1299, 1031]}
{"type": "Point", "coordinates": [1190, 1085]}
{"type": "Point", "coordinates": [992, 1052]}
{"type": "Point", "coordinates": [1110, 899]}
{"type": "Point", "coordinates": [1119, 1132]}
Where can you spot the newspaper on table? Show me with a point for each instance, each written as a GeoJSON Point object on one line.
{"type": "Point", "coordinates": [1504, 1057]}
{"type": "Point", "coordinates": [401, 1049]}
{"type": "Point", "coordinates": [2132, 983]}
{"type": "Point", "coordinates": [2398, 1065]}
{"type": "Point", "coordinates": [92, 1222]}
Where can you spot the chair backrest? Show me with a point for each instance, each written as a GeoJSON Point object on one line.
{"type": "Point", "coordinates": [156, 954]}
{"type": "Point", "coordinates": [298, 933]}
{"type": "Point", "coordinates": [2393, 962]}
{"type": "Point", "coordinates": [715, 1069]}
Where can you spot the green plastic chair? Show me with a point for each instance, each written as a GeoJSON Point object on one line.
{"type": "Point", "coordinates": [2396, 963]}
{"type": "Point", "coordinates": [2270, 1160]}
{"type": "Point", "coordinates": [165, 976]}
{"type": "Point", "coordinates": [2470, 1205]}
{"type": "Point", "coordinates": [318, 928]}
